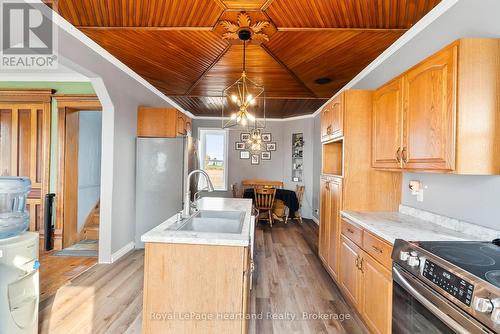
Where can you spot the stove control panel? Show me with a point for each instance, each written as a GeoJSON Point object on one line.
{"type": "Point", "coordinates": [454, 285]}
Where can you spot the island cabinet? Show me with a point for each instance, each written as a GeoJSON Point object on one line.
{"type": "Point", "coordinates": [162, 123]}
{"type": "Point", "coordinates": [193, 288]}
{"type": "Point", "coordinates": [442, 114]}
{"type": "Point", "coordinates": [365, 276]}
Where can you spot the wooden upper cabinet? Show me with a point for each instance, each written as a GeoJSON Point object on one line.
{"type": "Point", "coordinates": [376, 294]}
{"type": "Point", "coordinates": [430, 113]}
{"type": "Point", "coordinates": [325, 123]}
{"type": "Point", "coordinates": [450, 113]}
{"type": "Point", "coordinates": [337, 116]}
{"type": "Point", "coordinates": [387, 125]}
{"type": "Point", "coordinates": [332, 119]}
{"type": "Point", "coordinates": [162, 123]}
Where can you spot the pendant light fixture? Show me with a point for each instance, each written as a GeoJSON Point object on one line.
{"type": "Point", "coordinates": [244, 100]}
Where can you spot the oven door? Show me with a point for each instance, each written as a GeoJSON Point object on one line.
{"type": "Point", "coordinates": [416, 308]}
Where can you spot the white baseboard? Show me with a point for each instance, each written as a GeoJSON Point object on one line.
{"type": "Point", "coordinates": [122, 251]}
{"type": "Point", "coordinates": [316, 220]}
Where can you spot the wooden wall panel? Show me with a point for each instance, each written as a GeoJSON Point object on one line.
{"type": "Point", "coordinates": [349, 13]}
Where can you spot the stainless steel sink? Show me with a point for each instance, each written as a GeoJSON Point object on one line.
{"type": "Point", "coordinates": [212, 222]}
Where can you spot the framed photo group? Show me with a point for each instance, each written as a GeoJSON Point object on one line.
{"type": "Point", "coordinates": [255, 159]}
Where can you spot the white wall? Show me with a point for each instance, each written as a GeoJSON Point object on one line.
{"type": "Point", "coordinates": [89, 163]}
{"type": "Point", "coordinates": [280, 166]}
{"type": "Point", "coordinates": [120, 92]}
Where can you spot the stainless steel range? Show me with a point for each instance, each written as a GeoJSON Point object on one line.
{"type": "Point", "coordinates": [446, 287]}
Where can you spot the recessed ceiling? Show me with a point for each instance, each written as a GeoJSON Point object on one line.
{"type": "Point", "coordinates": [178, 45]}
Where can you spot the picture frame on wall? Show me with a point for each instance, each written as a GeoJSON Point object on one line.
{"type": "Point", "coordinates": [244, 136]}
{"type": "Point", "coordinates": [255, 159]}
{"type": "Point", "coordinates": [239, 146]}
{"type": "Point", "coordinates": [244, 155]}
{"type": "Point", "coordinates": [270, 146]}
{"type": "Point", "coordinates": [265, 155]}
{"type": "Point", "coordinates": [266, 137]}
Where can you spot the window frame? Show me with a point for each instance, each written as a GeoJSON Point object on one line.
{"type": "Point", "coordinates": [202, 152]}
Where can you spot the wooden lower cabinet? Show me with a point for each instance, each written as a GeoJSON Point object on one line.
{"type": "Point", "coordinates": [350, 275]}
{"type": "Point", "coordinates": [376, 292]}
{"type": "Point", "coordinates": [184, 285]}
{"type": "Point", "coordinates": [367, 283]}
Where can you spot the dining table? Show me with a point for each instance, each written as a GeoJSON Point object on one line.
{"type": "Point", "coordinates": [289, 197]}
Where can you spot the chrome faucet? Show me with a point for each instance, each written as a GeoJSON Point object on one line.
{"type": "Point", "coordinates": [186, 212]}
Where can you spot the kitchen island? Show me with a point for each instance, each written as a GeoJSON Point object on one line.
{"type": "Point", "coordinates": [197, 271]}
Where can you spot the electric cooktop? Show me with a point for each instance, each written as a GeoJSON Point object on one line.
{"type": "Point", "coordinates": [481, 259]}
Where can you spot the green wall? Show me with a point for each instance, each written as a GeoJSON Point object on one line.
{"type": "Point", "coordinates": [60, 88]}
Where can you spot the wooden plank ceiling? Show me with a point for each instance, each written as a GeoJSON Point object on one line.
{"type": "Point", "coordinates": [177, 45]}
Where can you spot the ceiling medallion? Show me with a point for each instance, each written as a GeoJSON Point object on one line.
{"type": "Point", "coordinates": [244, 26]}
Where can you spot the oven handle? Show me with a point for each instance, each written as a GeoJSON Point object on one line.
{"type": "Point", "coordinates": [398, 277]}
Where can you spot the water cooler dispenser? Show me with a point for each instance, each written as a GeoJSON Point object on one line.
{"type": "Point", "coordinates": [19, 277]}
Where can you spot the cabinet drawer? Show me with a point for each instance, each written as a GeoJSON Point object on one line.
{"type": "Point", "coordinates": [379, 249]}
{"type": "Point", "coordinates": [352, 232]}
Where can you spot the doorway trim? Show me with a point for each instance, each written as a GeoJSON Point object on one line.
{"type": "Point", "coordinates": [67, 107]}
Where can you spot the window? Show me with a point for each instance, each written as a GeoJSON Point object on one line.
{"type": "Point", "coordinates": [213, 157]}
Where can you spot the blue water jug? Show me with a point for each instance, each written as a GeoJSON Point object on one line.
{"type": "Point", "coordinates": [14, 218]}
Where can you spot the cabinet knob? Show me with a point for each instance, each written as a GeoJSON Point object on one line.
{"type": "Point", "coordinates": [398, 155]}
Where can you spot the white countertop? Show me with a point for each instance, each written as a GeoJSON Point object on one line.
{"type": "Point", "coordinates": [162, 235]}
{"type": "Point", "coordinates": [394, 225]}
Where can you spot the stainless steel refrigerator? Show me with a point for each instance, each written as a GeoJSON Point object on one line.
{"type": "Point", "coordinates": [162, 166]}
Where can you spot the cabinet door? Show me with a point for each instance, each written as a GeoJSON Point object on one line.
{"type": "Point", "coordinates": [377, 296]}
{"type": "Point", "coordinates": [337, 117]}
{"type": "Point", "coordinates": [430, 113]}
{"type": "Point", "coordinates": [387, 125]}
{"type": "Point", "coordinates": [181, 124]}
{"type": "Point", "coordinates": [334, 225]}
{"type": "Point", "coordinates": [324, 226]}
{"type": "Point", "coordinates": [325, 123]}
{"type": "Point", "coordinates": [349, 273]}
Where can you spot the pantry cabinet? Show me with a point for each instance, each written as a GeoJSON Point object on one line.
{"type": "Point", "coordinates": [440, 115]}
{"type": "Point", "coordinates": [330, 202]}
{"type": "Point", "coordinates": [324, 226]}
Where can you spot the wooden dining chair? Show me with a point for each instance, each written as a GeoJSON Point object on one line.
{"type": "Point", "coordinates": [264, 202]}
{"type": "Point", "coordinates": [235, 188]}
{"type": "Point", "coordinates": [299, 191]}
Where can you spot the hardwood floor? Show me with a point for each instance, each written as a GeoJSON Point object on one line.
{"type": "Point", "coordinates": [55, 271]}
{"type": "Point", "coordinates": [288, 281]}
{"type": "Point", "coordinates": [289, 278]}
